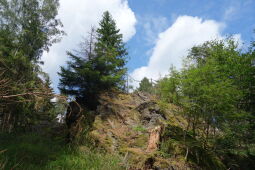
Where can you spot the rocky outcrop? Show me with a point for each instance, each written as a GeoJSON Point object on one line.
{"type": "Point", "coordinates": [131, 125]}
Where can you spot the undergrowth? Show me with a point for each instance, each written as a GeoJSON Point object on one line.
{"type": "Point", "coordinates": [194, 151]}
{"type": "Point", "coordinates": [32, 151]}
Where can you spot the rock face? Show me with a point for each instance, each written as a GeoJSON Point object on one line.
{"type": "Point", "coordinates": [131, 125]}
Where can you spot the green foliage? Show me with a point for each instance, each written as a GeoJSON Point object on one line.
{"type": "Point", "coordinates": [210, 74]}
{"type": "Point", "coordinates": [27, 28]}
{"type": "Point", "coordinates": [169, 87]}
{"type": "Point", "coordinates": [87, 75]}
{"type": "Point", "coordinates": [33, 23]}
{"type": "Point", "coordinates": [34, 151]}
{"type": "Point", "coordinates": [31, 150]}
{"type": "Point", "coordinates": [179, 143]}
{"type": "Point", "coordinates": [85, 160]}
{"type": "Point", "coordinates": [215, 89]}
{"type": "Point", "coordinates": [139, 128]}
{"type": "Point", "coordinates": [145, 85]}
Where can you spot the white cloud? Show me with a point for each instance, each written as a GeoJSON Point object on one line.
{"type": "Point", "coordinates": [78, 16]}
{"type": "Point", "coordinates": [173, 44]}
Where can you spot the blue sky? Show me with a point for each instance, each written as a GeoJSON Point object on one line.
{"type": "Point", "coordinates": [158, 33]}
{"type": "Point", "coordinates": [238, 15]}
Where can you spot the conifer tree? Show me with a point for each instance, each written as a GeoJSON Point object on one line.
{"type": "Point", "coordinates": [103, 68]}
{"type": "Point", "coordinates": [111, 53]}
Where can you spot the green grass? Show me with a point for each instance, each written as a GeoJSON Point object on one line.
{"type": "Point", "coordinates": [139, 128]}
{"type": "Point", "coordinates": [35, 152]}
{"type": "Point", "coordinates": [91, 160]}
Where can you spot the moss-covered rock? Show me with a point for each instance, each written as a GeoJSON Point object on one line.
{"type": "Point", "coordinates": [123, 125]}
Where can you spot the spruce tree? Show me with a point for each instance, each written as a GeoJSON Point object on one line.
{"type": "Point", "coordinates": [111, 53]}
{"type": "Point", "coordinates": [103, 68]}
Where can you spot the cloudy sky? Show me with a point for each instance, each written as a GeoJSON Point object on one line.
{"type": "Point", "coordinates": [158, 33]}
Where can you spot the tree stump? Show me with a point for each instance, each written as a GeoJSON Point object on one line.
{"type": "Point", "coordinates": [154, 139]}
{"type": "Point", "coordinates": [73, 120]}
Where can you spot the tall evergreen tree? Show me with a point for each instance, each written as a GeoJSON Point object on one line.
{"type": "Point", "coordinates": [111, 53]}
{"type": "Point", "coordinates": [103, 68]}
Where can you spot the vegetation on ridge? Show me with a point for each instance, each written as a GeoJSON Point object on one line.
{"type": "Point", "coordinates": [204, 113]}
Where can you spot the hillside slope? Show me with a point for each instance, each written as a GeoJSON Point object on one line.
{"type": "Point", "coordinates": [134, 125]}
